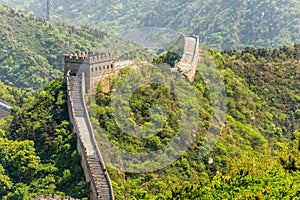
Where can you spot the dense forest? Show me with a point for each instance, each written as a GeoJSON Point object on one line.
{"type": "Point", "coordinates": [224, 24]}
{"type": "Point", "coordinates": [38, 148]}
{"type": "Point", "coordinates": [258, 152]}
{"type": "Point", "coordinates": [32, 49]}
{"type": "Point", "coordinates": [257, 155]}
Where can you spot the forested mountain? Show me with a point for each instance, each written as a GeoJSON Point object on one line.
{"type": "Point", "coordinates": [224, 24]}
{"type": "Point", "coordinates": [257, 155]}
{"type": "Point", "coordinates": [38, 148]}
{"type": "Point", "coordinates": [258, 152]}
{"type": "Point", "coordinates": [31, 50]}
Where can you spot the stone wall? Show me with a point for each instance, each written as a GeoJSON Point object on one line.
{"type": "Point", "coordinates": [91, 159]}
{"type": "Point", "coordinates": [93, 65]}
{"type": "Point", "coordinates": [52, 197]}
{"type": "Point", "coordinates": [189, 61]}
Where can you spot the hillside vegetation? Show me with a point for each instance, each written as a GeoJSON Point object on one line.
{"type": "Point", "coordinates": [224, 24]}
{"type": "Point", "coordinates": [257, 155]}
{"type": "Point", "coordinates": [14, 97]}
{"type": "Point", "coordinates": [31, 50]}
{"type": "Point", "coordinates": [258, 146]}
{"type": "Point", "coordinates": [38, 149]}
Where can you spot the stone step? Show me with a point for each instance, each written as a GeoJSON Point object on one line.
{"type": "Point", "coordinates": [96, 168]}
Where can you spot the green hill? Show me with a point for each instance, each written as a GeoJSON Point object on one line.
{"type": "Point", "coordinates": [258, 145]}
{"type": "Point", "coordinates": [224, 24]}
{"type": "Point", "coordinates": [256, 156]}
{"type": "Point", "coordinates": [32, 50]}
{"type": "Point", "coordinates": [38, 148]}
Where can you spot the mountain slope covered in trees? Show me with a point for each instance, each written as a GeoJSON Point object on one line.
{"type": "Point", "coordinates": [38, 148]}
{"type": "Point", "coordinates": [258, 145]}
{"type": "Point", "coordinates": [224, 24]}
{"type": "Point", "coordinates": [31, 50]}
{"type": "Point", "coordinates": [257, 154]}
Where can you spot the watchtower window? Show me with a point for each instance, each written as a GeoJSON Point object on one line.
{"type": "Point", "coordinates": [107, 67]}
{"type": "Point", "coordinates": [111, 66]}
{"type": "Point", "coordinates": [72, 73]}
{"type": "Point", "coordinates": [92, 69]}
{"type": "Point", "coordinates": [96, 68]}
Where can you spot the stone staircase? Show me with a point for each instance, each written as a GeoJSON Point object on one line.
{"type": "Point", "coordinates": [99, 176]}
{"type": "Point", "coordinates": [97, 171]}
{"type": "Point", "coordinates": [77, 103]}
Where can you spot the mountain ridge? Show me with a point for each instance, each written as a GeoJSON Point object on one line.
{"type": "Point", "coordinates": [221, 24]}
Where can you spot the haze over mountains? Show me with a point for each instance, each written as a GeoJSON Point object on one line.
{"type": "Point", "coordinates": [225, 24]}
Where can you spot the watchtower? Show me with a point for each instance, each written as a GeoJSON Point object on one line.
{"type": "Point", "coordinates": [50, 11]}
{"type": "Point", "coordinates": [94, 66]}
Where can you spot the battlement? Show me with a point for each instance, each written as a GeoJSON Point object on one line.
{"type": "Point", "coordinates": [88, 57]}
{"type": "Point", "coordinates": [100, 57]}
{"type": "Point", "coordinates": [94, 65]}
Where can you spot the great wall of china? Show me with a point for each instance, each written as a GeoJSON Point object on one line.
{"type": "Point", "coordinates": [4, 109]}
{"type": "Point", "coordinates": [82, 72]}
{"type": "Point", "coordinates": [91, 159]}
{"type": "Point", "coordinates": [189, 61]}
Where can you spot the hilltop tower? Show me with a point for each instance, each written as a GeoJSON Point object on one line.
{"type": "Point", "coordinates": [50, 11]}
{"type": "Point", "coordinates": [95, 66]}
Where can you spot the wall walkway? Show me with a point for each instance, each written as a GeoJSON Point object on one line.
{"type": "Point", "coordinates": [91, 159]}
{"type": "Point", "coordinates": [189, 61]}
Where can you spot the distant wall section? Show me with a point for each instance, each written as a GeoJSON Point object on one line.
{"type": "Point", "coordinates": [189, 61]}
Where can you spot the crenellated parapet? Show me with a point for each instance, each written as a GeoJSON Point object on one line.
{"type": "Point", "coordinates": [100, 57]}
{"type": "Point", "coordinates": [95, 66]}
{"type": "Point", "coordinates": [88, 57]}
